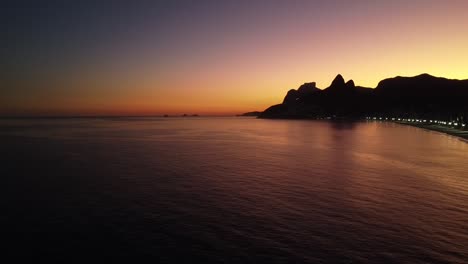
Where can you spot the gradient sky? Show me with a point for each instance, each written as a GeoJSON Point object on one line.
{"type": "Point", "coordinates": [214, 57]}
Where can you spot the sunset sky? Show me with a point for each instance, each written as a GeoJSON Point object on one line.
{"type": "Point", "coordinates": [214, 57]}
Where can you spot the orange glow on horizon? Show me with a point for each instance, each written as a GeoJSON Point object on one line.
{"type": "Point", "coordinates": [231, 70]}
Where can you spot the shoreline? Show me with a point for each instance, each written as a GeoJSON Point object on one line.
{"type": "Point", "coordinates": [458, 133]}
{"type": "Point", "coordinates": [461, 134]}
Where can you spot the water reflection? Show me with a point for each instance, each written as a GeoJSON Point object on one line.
{"type": "Point", "coordinates": [236, 188]}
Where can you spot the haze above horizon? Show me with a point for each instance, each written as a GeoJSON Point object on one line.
{"type": "Point", "coordinates": [214, 57]}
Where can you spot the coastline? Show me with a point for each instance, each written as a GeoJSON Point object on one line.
{"type": "Point", "coordinates": [461, 134]}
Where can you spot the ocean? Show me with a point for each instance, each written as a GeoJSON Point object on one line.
{"type": "Point", "coordinates": [231, 190]}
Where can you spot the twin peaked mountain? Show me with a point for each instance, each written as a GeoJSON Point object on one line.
{"type": "Point", "coordinates": [422, 96]}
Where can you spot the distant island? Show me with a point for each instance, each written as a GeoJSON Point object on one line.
{"type": "Point", "coordinates": [422, 97]}
{"type": "Point", "coordinates": [184, 115]}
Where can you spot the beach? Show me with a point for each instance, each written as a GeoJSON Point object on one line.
{"type": "Point", "coordinates": [461, 133]}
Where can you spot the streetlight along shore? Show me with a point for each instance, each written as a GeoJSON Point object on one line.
{"type": "Point", "coordinates": [450, 127]}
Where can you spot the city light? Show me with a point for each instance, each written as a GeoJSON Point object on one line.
{"type": "Point", "coordinates": [423, 121]}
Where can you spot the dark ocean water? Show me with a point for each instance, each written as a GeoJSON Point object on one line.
{"type": "Point", "coordinates": [232, 190]}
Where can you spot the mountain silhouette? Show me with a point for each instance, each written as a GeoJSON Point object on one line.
{"type": "Point", "coordinates": [422, 96]}
{"type": "Point", "coordinates": [339, 85]}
